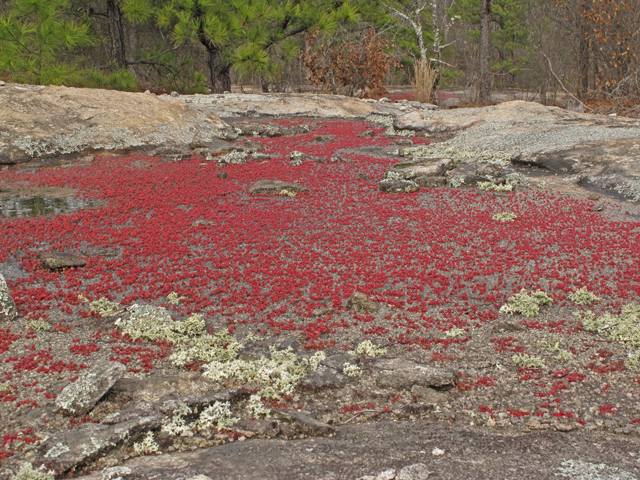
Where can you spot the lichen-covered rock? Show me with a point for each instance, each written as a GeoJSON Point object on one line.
{"type": "Point", "coordinates": [8, 310]}
{"type": "Point", "coordinates": [298, 158]}
{"type": "Point", "coordinates": [57, 260]}
{"type": "Point", "coordinates": [89, 441]}
{"type": "Point", "coordinates": [420, 168]}
{"type": "Point", "coordinates": [81, 396]}
{"type": "Point", "coordinates": [359, 302]}
{"type": "Point", "coordinates": [402, 374]}
{"type": "Point", "coordinates": [397, 186]}
{"type": "Point", "coordinates": [274, 187]}
{"type": "Point", "coordinates": [323, 377]}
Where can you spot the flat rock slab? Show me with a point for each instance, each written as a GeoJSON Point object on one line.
{"type": "Point", "coordinates": [80, 397]}
{"type": "Point", "coordinates": [274, 187]}
{"type": "Point", "coordinates": [402, 374]}
{"type": "Point", "coordinates": [42, 121]}
{"type": "Point", "coordinates": [324, 377]}
{"type": "Point", "coordinates": [8, 310]}
{"type": "Point", "coordinates": [57, 260]}
{"type": "Point", "coordinates": [370, 449]}
{"type": "Point", "coordinates": [88, 441]}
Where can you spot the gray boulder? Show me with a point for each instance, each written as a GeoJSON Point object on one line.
{"type": "Point", "coordinates": [420, 168]}
{"type": "Point", "coordinates": [81, 396]}
{"type": "Point", "coordinates": [58, 260]}
{"type": "Point", "coordinates": [402, 374]}
{"type": "Point", "coordinates": [389, 185]}
{"type": "Point", "coordinates": [8, 310]}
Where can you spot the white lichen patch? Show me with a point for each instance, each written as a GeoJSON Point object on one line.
{"type": "Point", "coordinates": [583, 297]}
{"type": "Point", "coordinates": [178, 425]}
{"type": "Point", "coordinates": [115, 473]}
{"type": "Point", "coordinates": [517, 178]}
{"type": "Point", "coordinates": [104, 307]}
{"type": "Point", "coordinates": [5, 387]}
{"type": "Point", "coordinates": [95, 446]}
{"type": "Point", "coordinates": [218, 416]}
{"type": "Point", "coordinates": [623, 328]}
{"type": "Point", "coordinates": [577, 469]}
{"type": "Point", "coordinates": [155, 323]}
{"type": "Point", "coordinates": [287, 193]}
{"type": "Point", "coordinates": [527, 361]}
{"type": "Point", "coordinates": [235, 157]}
{"type": "Point", "coordinates": [192, 345]}
{"type": "Point", "coordinates": [146, 446]}
{"type": "Point", "coordinates": [454, 332]}
{"type": "Point", "coordinates": [351, 370]}
{"type": "Point", "coordinates": [505, 217]}
{"type": "Point", "coordinates": [28, 472]}
{"type": "Point", "coordinates": [368, 349]}
{"type": "Point", "coordinates": [526, 304]}
{"type": "Point", "coordinates": [488, 186]}
{"type": "Point", "coordinates": [57, 450]}
{"type": "Point", "coordinates": [282, 371]}
{"type": "Point", "coordinates": [256, 407]}
{"type": "Point", "coordinates": [455, 181]}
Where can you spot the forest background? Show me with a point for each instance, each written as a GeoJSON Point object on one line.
{"type": "Point", "coordinates": [587, 49]}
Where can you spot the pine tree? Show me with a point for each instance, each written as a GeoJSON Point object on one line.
{"type": "Point", "coordinates": [34, 36]}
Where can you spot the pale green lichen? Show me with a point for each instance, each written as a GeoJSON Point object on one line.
{"type": "Point", "coordinates": [551, 345]}
{"type": "Point", "coordinates": [633, 360]}
{"type": "Point", "coordinates": [351, 370]}
{"type": "Point", "coordinates": [462, 155]}
{"type": "Point", "coordinates": [370, 350]}
{"type": "Point", "coordinates": [155, 323]}
{"type": "Point", "coordinates": [564, 356]}
{"type": "Point", "coordinates": [488, 186]}
{"type": "Point", "coordinates": [454, 332]}
{"type": "Point", "coordinates": [455, 181]}
{"type": "Point", "coordinates": [39, 325]}
{"type": "Point", "coordinates": [583, 297]}
{"type": "Point", "coordinates": [282, 371]}
{"type": "Point", "coordinates": [516, 178]}
{"type": "Point", "coordinates": [174, 299]}
{"type": "Point", "coordinates": [194, 346]}
{"type": "Point", "coordinates": [623, 328]}
{"type": "Point", "coordinates": [104, 307]}
{"type": "Point", "coordinates": [257, 408]}
{"type": "Point", "coordinates": [287, 193]}
{"type": "Point", "coordinates": [78, 393]}
{"type": "Point", "coordinates": [146, 446]}
{"type": "Point", "coordinates": [28, 472]}
{"type": "Point", "coordinates": [526, 304]}
{"type": "Point", "coordinates": [218, 416]}
{"type": "Point", "coordinates": [505, 217]}
{"type": "Point", "coordinates": [177, 425]}
{"type": "Point", "coordinates": [57, 450]}
{"type": "Point", "coordinates": [527, 361]}
{"type": "Point", "coordinates": [5, 387]}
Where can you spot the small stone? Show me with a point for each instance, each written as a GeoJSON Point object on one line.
{"type": "Point", "coordinates": [175, 94]}
{"type": "Point", "coordinates": [57, 260]}
{"type": "Point", "coordinates": [384, 100]}
{"type": "Point", "coordinates": [397, 186]}
{"type": "Point", "coordinates": [419, 471]}
{"type": "Point", "coordinates": [223, 174]}
{"type": "Point", "coordinates": [564, 427]}
{"type": "Point", "coordinates": [363, 177]}
{"type": "Point", "coordinates": [402, 374]}
{"type": "Point", "coordinates": [265, 428]}
{"type": "Point", "coordinates": [8, 310]}
{"type": "Point", "coordinates": [117, 473]}
{"type": "Point", "coordinates": [428, 395]}
{"type": "Point", "coordinates": [2, 84]}
{"type": "Point", "coordinates": [274, 187]}
{"type": "Point", "coordinates": [597, 208]}
{"type": "Point", "coordinates": [404, 141]}
{"type": "Point", "coordinates": [310, 426]}
{"type": "Point", "coordinates": [359, 302]}
{"type": "Point", "coordinates": [491, 422]}
{"type": "Point", "coordinates": [437, 452]}
{"type": "Point", "coordinates": [147, 92]}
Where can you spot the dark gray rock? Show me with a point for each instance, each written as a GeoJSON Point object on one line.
{"type": "Point", "coordinates": [263, 428]}
{"type": "Point", "coordinates": [337, 361]}
{"type": "Point", "coordinates": [223, 174]}
{"type": "Point", "coordinates": [274, 187]}
{"type": "Point", "coordinates": [359, 302]}
{"type": "Point", "coordinates": [324, 377]}
{"type": "Point", "coordinates": [404, 141]}
{"type": "Point", "coordinates": [99, 252]}
{"type": "Point", "coordinates": [307, 424]}
{"type": "Point", "coordinates": [468, 181]}
{"type": "Point", "coordinates": [80, 397]}
{"type": "Point", "coordinates": [57, 260]}
{"type": "Point", "coordinates": [397, 186]}
{"type": "Point", "coordinates": [8, 310]}
{"type": "Point", "coordinates": [298, 158]}
{"type": "Point", "coordinates": [401, 374]}
{"type": "Point", "coordinates": [488, 169]}
{"type": "Point", "coordinates": [363, 177]}
{"type": "Point", "coordinates": [419, 471]}
{"type": "Point", "coordinates": [429, 395]}
{"type": "Point", "coordinates": [89, 441]}
{"type": "Point", "coordinates": [324, 138]}
{"type": "Point", "coordinates": [431, 182]}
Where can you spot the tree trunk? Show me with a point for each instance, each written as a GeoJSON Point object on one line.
{"type": "Point", "coordinates": [485, 52]}
{"type": "Point", "coordinates": [116, 34]}
{"type": "Point", "coordinates": [583, 60]}
{"type": "Point", "coordinates": [219, 70]}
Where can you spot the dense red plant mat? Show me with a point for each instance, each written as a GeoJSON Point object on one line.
{"type": "Point", "coordinates": [264, 256]}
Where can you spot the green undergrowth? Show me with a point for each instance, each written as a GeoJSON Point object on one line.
{"type": "Point", "coordinates": [526, 304]}
{"type": "Point", "coordinates": [623, 328]}
{"type": "Point", "coordinates": [583, 297]}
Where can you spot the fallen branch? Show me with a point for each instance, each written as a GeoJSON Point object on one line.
{"type": "Point", "coordinates": [562, 84]}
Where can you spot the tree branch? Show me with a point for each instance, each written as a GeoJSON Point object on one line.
{"type": "Point", "coordinates": [562, 84]}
